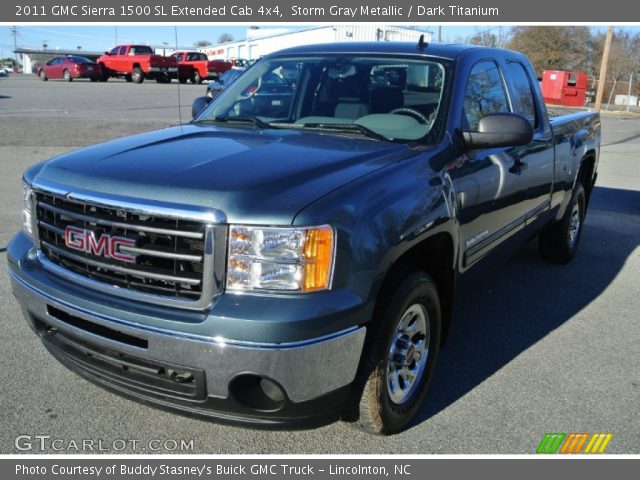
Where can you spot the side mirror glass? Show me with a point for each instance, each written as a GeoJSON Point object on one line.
{"type": "Point", "coordinates": [499, 130]}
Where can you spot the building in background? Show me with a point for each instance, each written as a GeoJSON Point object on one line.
{"type": "Point", "coordinates": [260, 42]}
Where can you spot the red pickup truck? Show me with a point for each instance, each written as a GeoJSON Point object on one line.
{"type": "Point", "coordinates": [195, 66]}
{"type": "Point", "coordinates": [137, 62]}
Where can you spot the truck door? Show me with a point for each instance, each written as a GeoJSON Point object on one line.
{"type": "Point", "coordinates": [490, 183]}
{"type": "Point", "coordinates": [121, 61]}
{"type": "Point", "coordinates": [537, 158]}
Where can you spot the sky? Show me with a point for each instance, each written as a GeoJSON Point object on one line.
{"type": "Point", "coordinates": [100, 38]}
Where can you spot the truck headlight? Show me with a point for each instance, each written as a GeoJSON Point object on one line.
{"type": "Point", "coordinates": [280, 259]}
{"type": "Point", "coordinates": [27, 210]}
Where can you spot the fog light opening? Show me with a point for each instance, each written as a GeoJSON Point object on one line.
{"type": "Point", "coordinates": [258, 393]}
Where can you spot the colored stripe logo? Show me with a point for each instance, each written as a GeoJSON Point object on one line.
{"type": "Point", "coordinates": [574, 443]}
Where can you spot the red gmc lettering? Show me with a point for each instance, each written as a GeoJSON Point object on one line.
{"type": "Point", "coordinates": [106, 246]}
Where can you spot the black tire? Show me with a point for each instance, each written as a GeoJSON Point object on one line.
{"type": "Point", "coordinates": [128, 78]}
{"type": "Point", "coordinates": [377, 412]}
{"type": "Point", "coordinates": [67, 76]}
{"type": "Point", "coordinates": [558, 242]}
{"type": "Point", "coordinates": [137, 76]}
{"type": "Point", "coordinates": [196, 78]}
{"type": "Point", "coordinates": [43, 76]}
{"type": "Point", "coordinates": [182, 79]}
{"type": "Point", "coordinates": [105, 73]}
{"type": "Point", "coordinates": [94, 79]}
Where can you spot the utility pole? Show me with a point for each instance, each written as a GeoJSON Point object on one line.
{"type": "Point", "coordinates": [629, 91]}
{"type": "Point", "coordinates": [440, 34]}
{"type": "Point", "coordinates": [14, 32]}
{"type": "Point", "coordinates": [603, 68]}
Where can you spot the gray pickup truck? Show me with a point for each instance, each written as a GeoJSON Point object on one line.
{"type": "Point", "coordinates": [292, 255]}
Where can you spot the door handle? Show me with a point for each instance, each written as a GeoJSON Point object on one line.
{"type": "Point", "coordinates": [518, 167]}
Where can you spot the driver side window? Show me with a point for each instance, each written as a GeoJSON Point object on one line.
{"type": "Point", "coordinates": [485, 93]}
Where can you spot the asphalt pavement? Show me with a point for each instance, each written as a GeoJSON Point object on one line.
{"type": "Point", "coordinates": [535, 348]}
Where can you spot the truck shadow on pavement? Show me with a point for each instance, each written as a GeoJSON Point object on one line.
{"type": "Point", "coordinates": [527, 298]}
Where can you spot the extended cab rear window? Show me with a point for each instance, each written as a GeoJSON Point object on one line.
{"type": "Point", "coordinates": [523, 102]}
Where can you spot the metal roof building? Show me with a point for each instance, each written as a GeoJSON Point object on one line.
{"type": "Point", "coordinates": [261, 42]}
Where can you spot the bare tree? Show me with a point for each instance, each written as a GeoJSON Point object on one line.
{"type": "Point", "coordinates": [202, 43]}
{"type": "Point", "coordinates": [484, 38]}
{"type": "Point", "coordinates": [554, 48]}
{"type": "Point", "coordinates": [624, 61]}
{"type": "Point", "coordinates": [624, 57]}
{"type": "Point", "coordinates": [225, 37]}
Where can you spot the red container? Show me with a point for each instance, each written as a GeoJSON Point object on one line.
{"type": "Point", "coordinates": [560, 87]}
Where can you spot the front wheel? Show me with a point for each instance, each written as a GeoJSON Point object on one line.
{"type": "Point", "coordinates": [558, 242]}
{"type": "Point", "coordinates": [197, 78]}
{"type": "Point", "coordinates": [137, 75]}
{"type": "Point", "coordinates": [399, 356]}
{"type": "Point", "coordinates": [67, 76]}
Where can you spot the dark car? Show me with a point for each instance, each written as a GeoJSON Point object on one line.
{"type": "Point", "coordinates": [215, 87]}
{"type": "Point", "coordinates": [270, 94]}
{"type": "Point", "coordinates": [70, 68]}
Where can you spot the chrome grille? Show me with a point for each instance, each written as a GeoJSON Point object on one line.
{"type": "Point", "coordinates": [172, 261]}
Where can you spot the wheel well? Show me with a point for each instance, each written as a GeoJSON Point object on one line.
{"type": "Point", "coordinates": [435, 257]}
{"type": "Point", "coordinates": [136, 65]}
{"type": "Point", "coordinates": [585, 175]}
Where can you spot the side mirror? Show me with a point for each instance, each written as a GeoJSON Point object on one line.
{"type": "Point", "coordinates": [499, 130]}
{"type": "Point", "coordinates": [199, 104]}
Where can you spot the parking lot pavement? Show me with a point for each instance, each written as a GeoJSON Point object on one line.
{"type": "Point", "coordinates": [535, 348]}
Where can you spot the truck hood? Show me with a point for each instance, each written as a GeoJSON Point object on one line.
{"type": "Point", "coordinates": [251, 175]}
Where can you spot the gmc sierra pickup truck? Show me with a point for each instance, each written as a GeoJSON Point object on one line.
{"type": "Point", "coordinates": [293, 254]}
{"type": "Point", "coordinates": [137, 62]}
{"type": "Point", "coordinates": [195, 66]}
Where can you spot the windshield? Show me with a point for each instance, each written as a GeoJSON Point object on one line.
{"type": "Point", "coordinates": [75, 58]}
{"type": "Point", "coordinates": [395, 99]}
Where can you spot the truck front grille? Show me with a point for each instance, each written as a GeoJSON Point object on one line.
{"type": "Point", "coordinates": [166, 257]}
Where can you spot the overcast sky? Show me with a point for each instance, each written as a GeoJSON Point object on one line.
{"type": "Point", "coordinates": [98, 38]}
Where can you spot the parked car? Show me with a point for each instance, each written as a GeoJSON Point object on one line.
{"type": "Point", "coordinates": [69, 68]}
{"type": "Point", "coordinates": [239, 63]}
{"type": "Point", "coordinates": [272, 92]}
{"type": "Point", "coordinates": [295, 257]}
{"type": "Point", "coordinates": [195, 66]}
{"type": "Point", "coordinates": [136, 62]}
{"type": "Point", "coordinates": [216, 86]}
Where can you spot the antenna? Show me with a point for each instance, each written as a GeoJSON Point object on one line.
{"type": "Point", "coordinates": [421, 43]}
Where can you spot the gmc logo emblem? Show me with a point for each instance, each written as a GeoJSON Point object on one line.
{"type": "Point", "coordinates": [108, 246]}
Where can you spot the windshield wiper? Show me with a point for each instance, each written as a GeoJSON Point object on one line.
{"type": "Point", "coordinates": [222, 118]}
{"type": "Point", "coordinates": [351, 127]}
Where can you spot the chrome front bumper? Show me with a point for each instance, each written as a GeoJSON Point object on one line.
{"type": "Point", "coordinates": [306, 370]}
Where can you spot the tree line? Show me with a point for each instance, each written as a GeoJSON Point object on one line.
{"type": "Point", "coordinates": [569, 48]}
